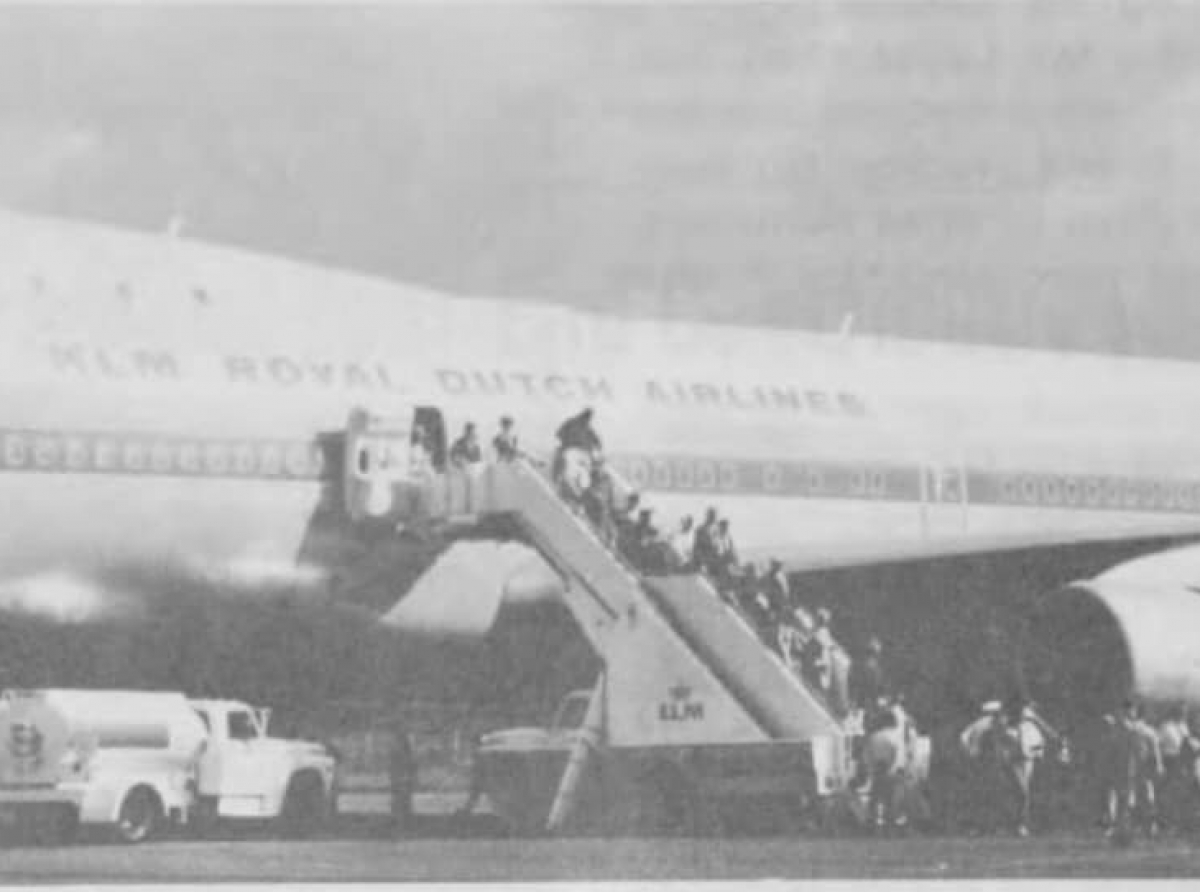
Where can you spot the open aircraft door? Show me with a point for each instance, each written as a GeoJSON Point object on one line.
{"type": "Point", "coordinates": [386, 455]}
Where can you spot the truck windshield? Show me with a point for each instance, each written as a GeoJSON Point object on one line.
{"type": "Point", "coordinates": [241, 726]}
{"type": "Point", "coordinates": [572, 713]}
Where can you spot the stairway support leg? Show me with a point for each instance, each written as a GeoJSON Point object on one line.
{"type": "Point", "coordinates": [591, 734]}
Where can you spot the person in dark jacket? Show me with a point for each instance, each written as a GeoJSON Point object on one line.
{"type": "Point", "coordinates": [726, 558]}
{"type": "Point", "coordinates": [778, 591]}
{"type": "Point", "coordinates": [577, 433]}
{"type": "Point", "coordinates": [465, 450]}
{"type": "Point", "coordinates": [704, 549]}
{"type": "Point", "coordinates": [868, 679]}
{"type": "Point", "coordinates": [505, 441]}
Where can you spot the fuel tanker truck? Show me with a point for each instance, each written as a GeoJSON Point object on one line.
{"type": "Point", "coordinates": [135, 763]}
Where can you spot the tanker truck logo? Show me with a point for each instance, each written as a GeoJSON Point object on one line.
{"type": "Point", "coordinates": [25, 744]}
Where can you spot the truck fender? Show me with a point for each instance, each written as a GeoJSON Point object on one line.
{"type": "Point", "coordinates": [102, 800]}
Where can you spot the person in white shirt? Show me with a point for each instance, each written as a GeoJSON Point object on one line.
{"type": "Point", "coordinates": [1028, 750]}
{"type": "Point", "coordinates": [681, 544]}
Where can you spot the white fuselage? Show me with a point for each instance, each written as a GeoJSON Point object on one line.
{"type": "Point", "coordinates": [160, 401]}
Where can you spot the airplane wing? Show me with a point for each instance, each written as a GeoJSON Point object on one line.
{"type": "Point", "coordinates": [863, 553]}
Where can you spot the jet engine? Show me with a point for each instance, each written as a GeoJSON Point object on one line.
{"type": "Point", "coordinates": [1133, 630]}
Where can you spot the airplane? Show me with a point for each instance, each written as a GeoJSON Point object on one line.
{"type": "Point", "coordinates": [175, 405]}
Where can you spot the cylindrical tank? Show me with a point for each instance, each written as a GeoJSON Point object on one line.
{"type": "Point", "coordinates": [48, 736]}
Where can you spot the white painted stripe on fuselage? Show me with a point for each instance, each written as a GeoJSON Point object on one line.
{"type": "Point", "coordinates": [210, 372]}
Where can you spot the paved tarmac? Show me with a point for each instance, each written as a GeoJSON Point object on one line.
{"type": "Point", "coordinates": [370, 858]}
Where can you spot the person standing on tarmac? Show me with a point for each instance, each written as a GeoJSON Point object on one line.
{"type": "Point", "coordinates": [982, 744]}
{"type": "Point", "coordinates": [885, 756]}
{"type": "Point", "coordinates": [402, 780]}
{"type": "Point", "coordinates": [1138, 763]}
{"type": "Point", "coordinates": [1178, 748]}
{"type": "Point", "coordinates": [1028, 750]}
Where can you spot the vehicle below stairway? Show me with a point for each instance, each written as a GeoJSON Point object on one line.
{"type": "Point", "coordinates": [649, 790]}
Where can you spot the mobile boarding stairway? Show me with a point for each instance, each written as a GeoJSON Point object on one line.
{"type": "Point", "coordinates": [686, 682]}
{"type": "Point", "coordinates": [675, 629]}
{"type": "Point", "coordinates": [683, 670]}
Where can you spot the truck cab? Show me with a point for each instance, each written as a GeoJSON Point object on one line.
{"type": "Point", "coordinates": [244, 772]}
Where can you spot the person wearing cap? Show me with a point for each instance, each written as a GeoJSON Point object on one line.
{"type": "Point", "coordinates": [505, 441]}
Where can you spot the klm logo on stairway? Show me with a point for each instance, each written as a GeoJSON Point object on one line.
{"type": "Point", "coordinates": [680, 706]}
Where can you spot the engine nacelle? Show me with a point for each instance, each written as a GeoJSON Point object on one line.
{"type": "Point", "coordinates": [1131, 631]}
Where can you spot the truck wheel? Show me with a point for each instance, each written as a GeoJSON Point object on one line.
{"type": "Point", "coordinates": [304, 807]}
{"type": "Point", "coordinates": [140, 816]}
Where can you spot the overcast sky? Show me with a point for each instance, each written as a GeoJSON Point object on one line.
{"type": "Point", "coordinates": [1013, 172]}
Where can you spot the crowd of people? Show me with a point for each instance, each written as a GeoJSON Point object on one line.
{"type": "Point", "coordinates": [994, 775]}
{"type": "Point", "coordinates": [803, 636]}
{"type": "Point", "coordinates": [1015, 772]}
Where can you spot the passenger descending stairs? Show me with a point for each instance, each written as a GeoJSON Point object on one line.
{"type": "Point", "coordinates": [682, 667]}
